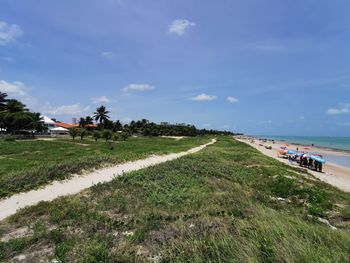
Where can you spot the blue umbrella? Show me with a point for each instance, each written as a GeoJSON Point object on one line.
{"type": "Point", "coordinates": [317, 159]}
{"type": "Point", "coordinates": [291, 152]}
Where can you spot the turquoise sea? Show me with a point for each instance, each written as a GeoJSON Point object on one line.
{"type": "Point", "coordinates": [339, 143]}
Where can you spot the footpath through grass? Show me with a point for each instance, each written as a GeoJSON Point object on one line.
{"type": "Point", "coordinates": [25, 165]}
{"type": "Point", "coordinates": [227, 203]}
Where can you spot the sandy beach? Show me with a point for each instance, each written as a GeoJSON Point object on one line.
{"type": "Point", "coordinates": [334, 174]}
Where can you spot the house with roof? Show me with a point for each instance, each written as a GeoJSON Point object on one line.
{"type": "Point", "coordinates": [48, 123]}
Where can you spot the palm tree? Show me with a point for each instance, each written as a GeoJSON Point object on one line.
{"type": "Point", "coordinates": [14, 106]}
{"type": "Point", "coordinates": [101, 114]}
{"type": "Point", "coordinates": [96, 135]}
{"type": "Point", "coordinates": [3, 101]}
{"type": "Point", "coordinates": [73, 132]}
{"type": "Point", "coordinates": [88, 120]}
{"type": "Point", "coordinates": [107, 135]}
{"type": "Point", "coordinates": [82, 122]}
{"type": "Point", "coordinates": [82, 133]}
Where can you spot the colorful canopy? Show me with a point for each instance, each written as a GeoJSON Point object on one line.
{"type": "Point", "coordinates": [317, 159]}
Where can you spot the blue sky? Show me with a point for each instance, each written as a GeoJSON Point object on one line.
{"type": "Point", "coordinates": [260, 67]}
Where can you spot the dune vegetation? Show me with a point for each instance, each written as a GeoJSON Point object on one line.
{"type": "Point", "coordinates": [25, 165]}
{"type": "Point", "coordinates": [227, 203]}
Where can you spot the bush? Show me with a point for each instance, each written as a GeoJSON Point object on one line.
{"type": "Point", "coordinates": [107, 135]}
{"type": "Point", "coordinates": [10, 139]}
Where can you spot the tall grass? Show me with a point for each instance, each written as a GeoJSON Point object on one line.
{"type": "Point", "coordinates": [213, 206]}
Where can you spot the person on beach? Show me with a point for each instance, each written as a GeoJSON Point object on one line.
{"type": "Point", "coordinates": [315, 166]}
{"type": "Point", "coordinates": [320, 167]}
{"type": "Point", "coordinates": [304, 160]}
{"type": "Point", "coordinates": [310, 164]}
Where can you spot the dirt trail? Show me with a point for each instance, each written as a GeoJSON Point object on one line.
{"type": "Point", "coordinates": [78, 183]}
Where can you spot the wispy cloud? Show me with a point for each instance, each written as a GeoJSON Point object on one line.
{"type": "Point", "coordinates": [73, 109]}
{"type": "Point", "coordinates": [9, 33]}
{"type": "Point", "coordinates": [179, 26]}
{"type": "Point", "coordinates": [268, 47]}
{"type": "Point", "coordinates": [138, 87]}
{"type": "Point", "coordinates": [341, 109]}
{"type": "Point", "coordinates": [102, 99]}
{"type": "Point", "coordinates": [8, 59]}
{"type": "Point", "coordinates": [107, 55]}
{"type": "Point", "coordinates": [232, 99]}
{"type": "Point", "coordinates": [265, 122]}
{"type": "Point", "coordinates": [18, 90]}
{"type": "Point", "coordinates": [300, 118]}
{"type": "Point", "coordinates": [347, 124]}
{"type": "Point", "coordinates": [204, 97]}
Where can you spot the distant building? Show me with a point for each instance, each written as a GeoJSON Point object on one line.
{"type": "Point", "coordinates": [48, 123]}
{"type": "Point", "coordinates": [59, 131]}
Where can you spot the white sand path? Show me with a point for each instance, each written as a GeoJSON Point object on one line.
{"type": "Point", "coordinates": [78, 183]}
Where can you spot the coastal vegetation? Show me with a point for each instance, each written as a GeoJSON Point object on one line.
{"type": "Point", "coordinates": [15, 117]}
{"type": "Point", "coordinates": [227, 203]}
{"type": "Point", "coordinates": [27, 164]}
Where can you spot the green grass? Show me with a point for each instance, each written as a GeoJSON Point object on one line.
{"type": "Point", "coordinates": [25, 165]}
{"type": "Point", "coordinates": [218, 205]}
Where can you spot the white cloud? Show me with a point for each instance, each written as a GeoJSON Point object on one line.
{"type": "Point", "coordinates": [179, 26]}
{"type": "Point", "coordinates": [265, 122]}
{"type": "Point", "coordinates": [102, 99]}
{"type": "Point", "coordinates": [232, 99]}
{"type": "Point", "coordinates": [268, 47]}
{"type": "Point", "coordinates": [342, 109]}
{"type": "Point", "coordinates": [137, 87]}
{"type": "Point", "coordinates": [300, 118]}
{"type": "Point", "coordinates": [203, 97]}
{"type": "Point", "coordinates": [107, 54]}
{"type": "Point", "coordinates": [17, 90]}
{"type": "Point", "coordinates": [9, 33]}
{"type": "Point", "coordinates": [8, 59]}
{"type": "Point", "coordinates": [73, 109]}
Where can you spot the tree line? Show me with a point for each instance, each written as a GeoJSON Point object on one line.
{"type": "Point", "coordinates": [14, 117]}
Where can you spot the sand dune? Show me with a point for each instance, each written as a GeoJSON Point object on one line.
{"type": "Point", "coordinates": [78, 183]}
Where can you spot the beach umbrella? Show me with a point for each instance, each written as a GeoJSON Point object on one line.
{"type": "Point", "coordinates": [283, 147]}
{"type": "Point", "coordinates": [291, 152]}
{"type": "Point", "coordinates": [317, 159]}
{"type": "Point", "coordinates": [283, 152]}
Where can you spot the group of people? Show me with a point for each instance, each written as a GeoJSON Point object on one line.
{"type": "Point", "coordinates": [305, 161]}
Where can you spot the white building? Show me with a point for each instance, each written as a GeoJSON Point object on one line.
{"type": "Point", "coordinates": [59, 131]}
{"type": "Point", "coordinates": [49, 123]}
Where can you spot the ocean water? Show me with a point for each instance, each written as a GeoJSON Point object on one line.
{"type": "Point", "coordinates": [341, 143]}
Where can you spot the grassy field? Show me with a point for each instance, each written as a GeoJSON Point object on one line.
{"type": "Point", "coordinates": [25, 165]}
{"type": "Point", "coordinates": [227, 203]}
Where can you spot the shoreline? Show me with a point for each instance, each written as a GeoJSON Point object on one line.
{"type": "Point", "coordinates": [333, 174]}
{"type": "Point", "coordinates": [325, 148]}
